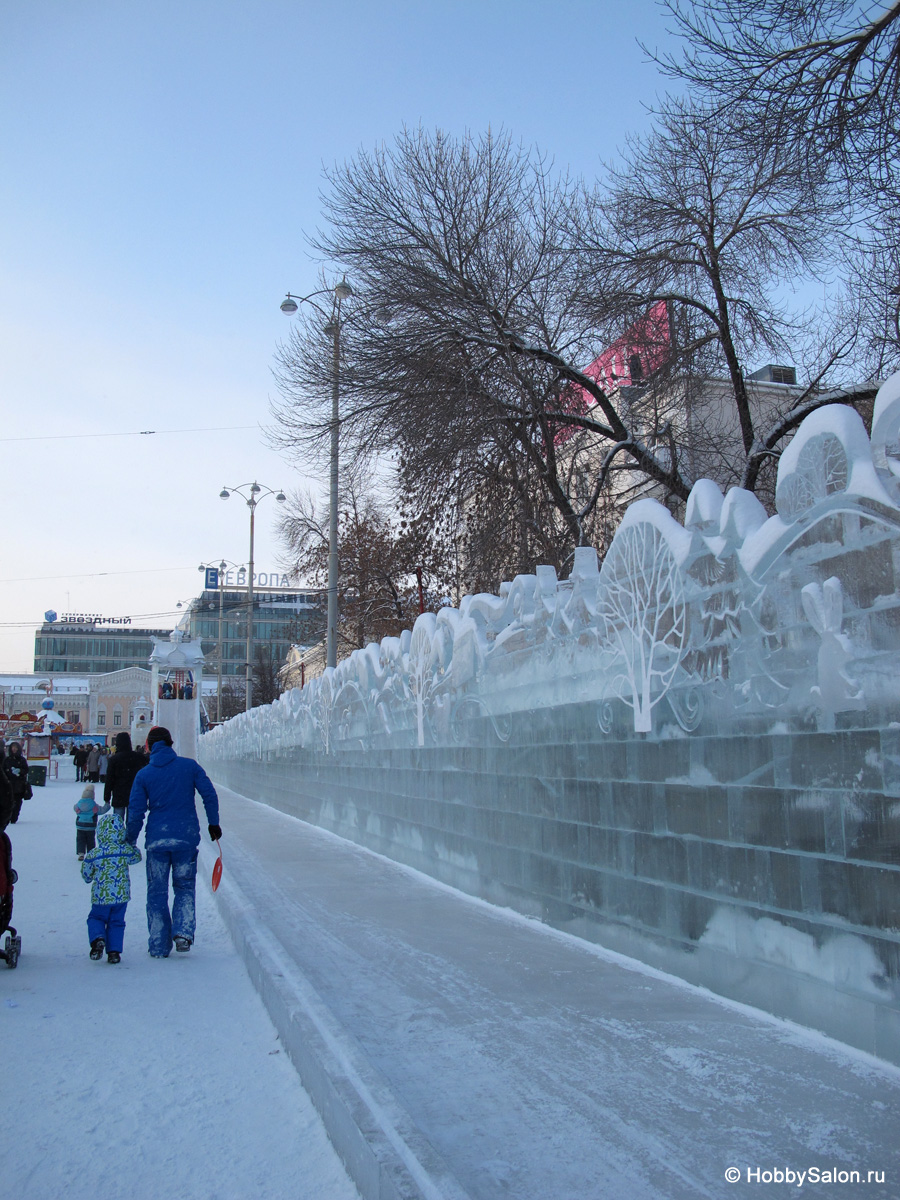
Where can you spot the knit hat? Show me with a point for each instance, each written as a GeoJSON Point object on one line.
{"type": "Point", "coordinates": [158, 734]}
{"type": "Point", "coordinates": [88, 793]}
{"type": "Point", "coordinates": [123, 741]}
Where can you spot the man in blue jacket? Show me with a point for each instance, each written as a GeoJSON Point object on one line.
{"type": "Point", "coordinates": [165, 791]}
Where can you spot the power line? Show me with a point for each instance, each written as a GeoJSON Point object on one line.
{"type": "Point", "coordinates": [95, 574]}
{"type": "Point", "coordinates": [64, 437]}
{"type": "Point", "coordinates": [231, 607]}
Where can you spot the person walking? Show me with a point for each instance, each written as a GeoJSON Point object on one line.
{"type": "Point", "coordinates": [104, 763]}
{"type": "Point", "coordinates": [93, 764]}
{"type": "Point", "coordinates": [164, 792]}
{"type": "Point", "coordinates": [16, 767]}
{"type": "Point", "coordinates": [87, 810]}
{"type": "Point", "coordinates": [6, 799]}
{"type": "Point", "coordinates": [80, 759]}
{"type": "Point", "coordinates": [120, 773]}
{"type": "Point", "coordinates": [106, 870]}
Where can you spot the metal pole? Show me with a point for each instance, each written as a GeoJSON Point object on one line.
{"type": "Point", "coordinates": [331, 643]}
{"type": "Point", "coordinates": [252, 503]}
{"type": "Point", "coordinates": [221, 646]}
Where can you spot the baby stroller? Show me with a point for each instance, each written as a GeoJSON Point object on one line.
{"type": "Point", "coordinates": [13, 945]}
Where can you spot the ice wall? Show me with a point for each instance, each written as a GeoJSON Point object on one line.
{"type": "Point", "coordinates": [691, 753]}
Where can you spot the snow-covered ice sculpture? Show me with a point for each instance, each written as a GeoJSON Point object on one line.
{"type": "Point", "coordinates": [754, 607]}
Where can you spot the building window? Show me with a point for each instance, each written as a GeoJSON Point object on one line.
{"type": "Point", "coordinates": [117, 715]}
{"type": "Point", "coordinates": [101, 718]}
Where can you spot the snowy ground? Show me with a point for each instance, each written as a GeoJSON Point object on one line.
{"type": "Point", "coordinates": [157, 1077]}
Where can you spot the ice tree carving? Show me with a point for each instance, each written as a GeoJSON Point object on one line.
{"type": "Point", "coordinates": [821, 470]}
{"type": "Point", "coordinates": [642, 606]}
{"type": "Point", "coordinates": [824, 608]}
{"type": "Point", "coordinates": [422, 669]}
{"type": "Point", "coordinates": [322, 709]}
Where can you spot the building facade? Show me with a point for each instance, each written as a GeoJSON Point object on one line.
{"type": "Point", "coordinates": [88, 645]}
{"type": "Point", "coordinates": [100, 705]}
{"type": "Point", "coordinates": [281, 618]}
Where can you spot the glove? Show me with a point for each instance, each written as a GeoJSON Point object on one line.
{"type": "Point", "coordinates": [215, 832]}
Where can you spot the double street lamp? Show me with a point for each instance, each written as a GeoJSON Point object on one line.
{"type": "Point", "coordinates": [340, 292]}
{"type": "Point", "coordinates": [253, 495]}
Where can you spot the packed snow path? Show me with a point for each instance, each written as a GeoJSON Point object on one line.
{"type": "Point", "coordinates": [147, 1079]}
{"type": "Point", "coordinates": [540, 1067]}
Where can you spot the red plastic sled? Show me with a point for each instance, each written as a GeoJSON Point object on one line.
{"type": "Point", "coordinates": [217, 869]}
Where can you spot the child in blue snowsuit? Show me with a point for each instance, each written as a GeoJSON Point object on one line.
{"type": "Point", "coordinates": [106, 870]}
{"type": "Point", "coordinates": [87, 810]}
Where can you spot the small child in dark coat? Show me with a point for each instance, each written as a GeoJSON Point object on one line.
{"type": "Point", "coordinates": [86, 813]}
{"type": "Point", "coordinates": [106, 870]}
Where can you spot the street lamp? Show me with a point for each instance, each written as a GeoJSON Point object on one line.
{"type": "Point", "coordinates": [253, 496]}
{"type": "Point", "coordinates": [340, 292]}
{"type": "Point", "coordinates": [221, 567]}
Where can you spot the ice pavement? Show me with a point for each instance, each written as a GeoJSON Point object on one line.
{"type": "Point", "coordinates": [492, 1057]}
{"type": "Point", "coordinates": [153, 1078]}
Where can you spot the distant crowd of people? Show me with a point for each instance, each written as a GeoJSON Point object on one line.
{"type": "Point", "coordinates": [175, 691]}
{"type": "Point", "coordinates": [91, 761]}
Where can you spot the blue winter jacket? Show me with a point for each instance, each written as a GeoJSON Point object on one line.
{"type": "Point", "coordinates": [166, 788]}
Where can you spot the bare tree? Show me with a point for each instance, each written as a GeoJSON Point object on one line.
{"type": "Point", "coordinates": [234, 698]}
{"type": "Point", "coordinates": [717, 228]}
{"type": "Point", "coordinates": [266, 663]}
{"type": "Point", "coordinates": [487, 290]}
{"type": "Point", "coordinates": [824, 81]}
{"type": "Point", "coordinates": [468, 337]}
{"type": "Point", "coordinates": [825, 76]}
{"type": "Point", "coordinates": [873, 280]}
{"type": "Point", "coordinates": [377, 562]}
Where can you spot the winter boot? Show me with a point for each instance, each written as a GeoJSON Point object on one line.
{"type": "Point", "coordinates": [114, 956]}
{"type": "Point", "coordinates": [182, 944]}
{"type": "Point", "coordinates": [97, 949]}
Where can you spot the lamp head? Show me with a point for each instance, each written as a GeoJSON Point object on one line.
{"type": "Point", "coordinates": [224, 494]}
{"type": "Point", "coordinates": [255, 488]}
{"type": "Point", "coordinates": [343, 290]}
{"type": "Point", "coordinates": [280, 497]}
{"type": "Point", "coordinates": [289, 306]}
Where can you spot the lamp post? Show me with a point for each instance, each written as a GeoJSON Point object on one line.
{"type": "Point", "coordinates": [340, 292]}
{"type": "Point", "coordinates": [252, 496]}
{"type": "Point", "coordinates": [221, 567]}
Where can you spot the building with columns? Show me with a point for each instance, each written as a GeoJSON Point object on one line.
{"type": "Point", "coordinates": [102, 705]}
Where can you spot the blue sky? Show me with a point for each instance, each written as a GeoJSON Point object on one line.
{"type": "Point", "coordinates": [160, 165]}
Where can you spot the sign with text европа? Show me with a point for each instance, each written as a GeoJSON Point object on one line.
{"type": "Point", "coordinates": [238, 578]}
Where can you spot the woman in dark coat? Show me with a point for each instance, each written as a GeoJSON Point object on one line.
{"type": "Point", "coordinates": [15, 766]}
